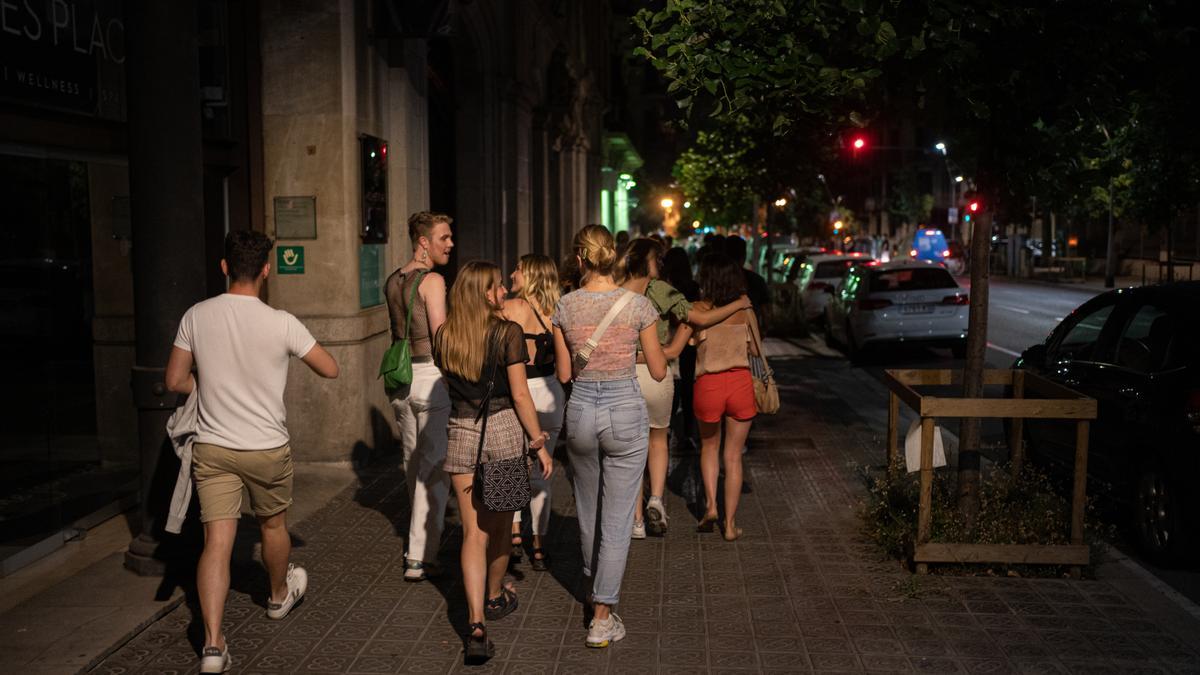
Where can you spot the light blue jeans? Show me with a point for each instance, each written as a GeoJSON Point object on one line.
{"type": "Point", "coordinates": [607, 436]}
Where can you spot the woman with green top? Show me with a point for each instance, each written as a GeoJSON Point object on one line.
{"type": "Point", "coordinates": [638, 272]}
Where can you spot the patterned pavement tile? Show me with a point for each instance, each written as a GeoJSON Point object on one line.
{"type": "Point", "coordinates": [801, 592]}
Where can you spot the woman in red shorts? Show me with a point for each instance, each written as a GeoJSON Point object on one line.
{"type": "Point", "coordinates": [724, 390]}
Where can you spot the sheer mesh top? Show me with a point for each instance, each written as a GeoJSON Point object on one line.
{"type": "Point", "coordinates": [509, 349]}
{"type": "Point", "coordinates": [399, 288]}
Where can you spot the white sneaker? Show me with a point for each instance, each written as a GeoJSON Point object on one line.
{"type": "Point", "coordinates": [215, 660]}
{"type": "Point", "coordinates": [639, 530]}
{"type": "Point", "coordinates": [656, 517]}
{"type": "Point", "coordinates": [603, 633]}
{"type": "Point", "coordinates": [297, 583]}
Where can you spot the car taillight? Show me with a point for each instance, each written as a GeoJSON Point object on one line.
{"type": "Point", "coordinates": [956, 300]}
{"type": "Point", "coordinates": [946, 254]}
{"type": "Point", "coordinates": [912, 253]}
{"type": "Point", "coordinates": [1192, 409]}
{"type": "Point", "coordinates": [873, 304]}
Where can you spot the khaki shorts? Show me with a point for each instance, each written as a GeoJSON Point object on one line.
{"type": "Point", "coordinates": [221, 473]}
{"type": "Point", "coordinates": [660, 396]}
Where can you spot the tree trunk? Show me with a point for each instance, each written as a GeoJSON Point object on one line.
{"type": "Point", "coordinates": [969, 436]}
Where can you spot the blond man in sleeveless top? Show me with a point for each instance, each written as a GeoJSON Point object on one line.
{"type": "Point", "coordinates": [422, 408]}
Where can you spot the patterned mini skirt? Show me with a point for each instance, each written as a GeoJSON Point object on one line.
{"type": "Point", "coordinates": [505, 439]}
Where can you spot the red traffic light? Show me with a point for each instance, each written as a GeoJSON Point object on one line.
{"type": "Point", "coordinates": [859, 143]}
{"type": "Point", "coordinates": [973, 207]}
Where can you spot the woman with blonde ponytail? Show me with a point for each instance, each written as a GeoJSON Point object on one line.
{"type": "Point", "coordinates": [597, 330]}
{"type": "Point", "coordinates": [483, 357]}
{"type": "Point", "coordinates": [535, 284]}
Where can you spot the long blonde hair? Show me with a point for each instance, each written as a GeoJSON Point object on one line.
{"type": "Point", "coordinates": [596, 250]}
{"type": "Point", "coordinates": [540, 288]}
{"type": "Point", "coordinates": [461, 342]}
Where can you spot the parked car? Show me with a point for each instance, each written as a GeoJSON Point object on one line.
{"type": "Point", "coordinates": [1135, 351]}
{"type": "Point", "coordinates": [789, 262]}
{"type": "Point", "coordinates": [819, 275]}
{"type": "Point", "coordinates": [898, 301]}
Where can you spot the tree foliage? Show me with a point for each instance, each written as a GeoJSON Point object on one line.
{"type": "Point", "coordinates": [1022, 88]}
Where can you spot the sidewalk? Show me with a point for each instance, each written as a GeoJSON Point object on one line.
{"type": "Point", "coordinates": [802, 592]}
{"type": "Point", "coordinates": [64, 612]}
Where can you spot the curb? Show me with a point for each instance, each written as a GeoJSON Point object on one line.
{"type": "Point", "coordinates": [166, 609]}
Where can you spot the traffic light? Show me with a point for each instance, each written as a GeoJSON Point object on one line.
{"type": "Point", "coordinates": [859, 142]}
{"type": "Point", "coordinates": [973, 207]}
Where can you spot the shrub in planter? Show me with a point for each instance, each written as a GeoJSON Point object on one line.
{"type": "Point", "coordinates": [1013, 510]}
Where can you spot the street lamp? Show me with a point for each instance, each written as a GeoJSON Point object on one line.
{"type": "Point", "coordinates": [781, 202]}
{"type": "Point", "coordinates": [687, 205]}
{"type": "Point", "coordinates": [940, 147]}
{"type": "Point", "coordinates": [958, 179]}
{"type": "Point", "coordinates": [667, 203]}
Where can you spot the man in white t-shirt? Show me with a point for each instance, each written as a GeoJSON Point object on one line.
{"type": "Point", "coordinates": [241, 348]}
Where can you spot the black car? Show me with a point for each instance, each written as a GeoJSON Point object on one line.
{"type": "Point", "coordinates": [1135, 351]}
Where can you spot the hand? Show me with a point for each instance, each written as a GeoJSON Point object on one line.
{"type": "Point", "coordinates": [744, 302]}
{"type": "Point", "coordinates": [547, 463]}
{"type": "Point", "coordinates": [539, 442]}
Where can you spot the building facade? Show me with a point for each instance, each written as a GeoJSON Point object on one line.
{"type": "Point", "coordinates": [323, 124]}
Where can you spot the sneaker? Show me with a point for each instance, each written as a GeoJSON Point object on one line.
{"type": "Point", "coordinates": [216, 660]}
{"type": "Point", "coordinates": [656, 517]}
{"type": "Point", "coordinates": [416, 570]}
{"type": "Point", "coordinates": [639, 530]}
{"type": "Point", "coordinates": [297, 583]}
{"type": "Point", "coordinates": [603, 633]}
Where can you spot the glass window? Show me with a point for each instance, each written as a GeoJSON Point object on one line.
{"type": "Point", "coordinates": [833, 268]}
{"type": "Point", "coordinates": [1079, 342]}
{"type": "Point", "coordinates": [915, 279]}
{"type": "Point", "coordinates": [1147, 344]}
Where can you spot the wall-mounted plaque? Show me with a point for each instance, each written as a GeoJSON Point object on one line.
{"type": "Point", "coordinates": [295, 217]}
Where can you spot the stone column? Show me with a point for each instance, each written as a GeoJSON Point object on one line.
{"type": "Point", "coordinates": [166, 176]}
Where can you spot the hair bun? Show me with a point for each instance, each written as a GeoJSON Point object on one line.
{"type": "Point", "coordinates": [596, 248]}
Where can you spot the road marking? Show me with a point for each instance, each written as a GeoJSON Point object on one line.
{"type": "Point", "coordinates": [1013, 309]}
{"type": "Point", "coordinates": [1002, 350]}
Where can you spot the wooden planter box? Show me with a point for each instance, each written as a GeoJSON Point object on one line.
{"type": "Point", "coordinates": [1056, 403]}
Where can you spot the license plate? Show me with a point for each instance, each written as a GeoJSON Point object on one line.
{"type": "Point", "coordinates": [916, 309]}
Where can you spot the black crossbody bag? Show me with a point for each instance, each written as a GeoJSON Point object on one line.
{"type": "Point", "coordinates": [503, 485]}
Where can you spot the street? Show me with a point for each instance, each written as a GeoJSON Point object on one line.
{"type": "Point", "coordinates": [1022, 314]}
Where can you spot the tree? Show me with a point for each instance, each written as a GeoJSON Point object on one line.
{"type": "Point", "coordinates": [1019, 86]}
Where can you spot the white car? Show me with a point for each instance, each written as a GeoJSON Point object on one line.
{"type": "Point", "coordinates": [820, 274]}
{"type": "Point", "coordinates": [901, 301]}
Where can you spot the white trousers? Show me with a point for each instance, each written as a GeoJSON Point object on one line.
{"type": "Point", "coordinates": [423, 415]}
{"type": "Point", "coordinates": [550, 402]}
